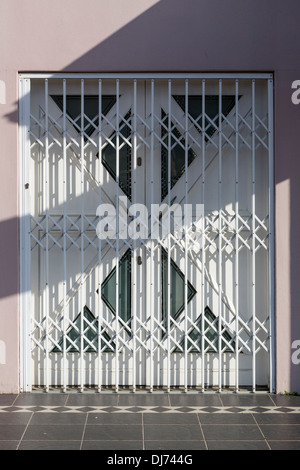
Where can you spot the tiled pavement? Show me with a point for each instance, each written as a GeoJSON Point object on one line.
{"type": "Point", "coordinates": [212, 421]}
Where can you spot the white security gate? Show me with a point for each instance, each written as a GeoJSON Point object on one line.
{"type": "Point", "coordinates": [146, 232]}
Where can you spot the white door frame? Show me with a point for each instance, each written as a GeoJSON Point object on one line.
{"type": "Point", "coordinates": [25, 186]}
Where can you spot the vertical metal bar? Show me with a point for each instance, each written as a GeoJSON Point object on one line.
{"type": "Point", "coordinates": [220, 239]}
{"type": "Point", "coordinates": [203, 257]}
{"type": "Point", "coordinates": [152, 310]}
{"type": "Point", "coordinates": [64, 238]}
{"type": "Point", "coordinates": [134, 274]}
{"type": "Point", "coordinates": [186, 242]}
{"type": "Point", "coordinates": [253, 238]}
{"type": "Point", "coordinates": [117, 238]}
{"type": "Point", "coordinates": [236, 235]}
{"type": "Point", "coordinates": [46, 301]}
{"type": "Point", "coordinates": [82, 237]}
{"type": "Point", "coordinates": [169, 238]}
{"type": "Point", "coordinates": [25, 251]}
{"type": "Point", "coordinates": [100, 173]}
{"type": "Point", "coordinates": [271, 232]}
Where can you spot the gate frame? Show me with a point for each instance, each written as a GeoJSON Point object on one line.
{"type": "Point", "coordinates": [24, 199]}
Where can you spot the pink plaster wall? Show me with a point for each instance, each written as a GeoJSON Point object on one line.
{"type": "Point", "coordinates": [164, 36]}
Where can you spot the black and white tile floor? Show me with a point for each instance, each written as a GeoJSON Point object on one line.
{"type": "Point", "coordinates": [175, 421]}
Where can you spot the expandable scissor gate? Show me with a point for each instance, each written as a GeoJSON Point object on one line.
{"type": "Point", "coordinates": [192, 309]}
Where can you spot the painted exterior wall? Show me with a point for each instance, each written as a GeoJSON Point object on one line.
{"type": "Point", "coordinates": [162, 36]}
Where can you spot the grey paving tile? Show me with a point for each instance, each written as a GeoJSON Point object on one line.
{"type": "Point", "coordinates": [169, 432]}
{"type": "Point", "coordinates": [8, 445]}
{"type": "Point", "coordinates": [247, 399]}
{"type": "Point", "coordinates": [283, 432]}
{"type": "Point", "coordinates": [162, 430]}
{"type": "Point", "coordinates": [185, 399]}
{"type": "Point", "coordinates": [112, 445]}
{"type": "Point", "coordinates": [94, 399]}
{"type": "Point", "coordinates": [11, 432]}
{"type": "Point", "coordinates": [53, 432]}
{"type": "Point", "coordinates": [286, 400]}
{"type": "Point", "coordinates": [239, 432]}
{"type": "Point", "coordinates": [7, 399]}
{"type": "Point", "coordinates": [284, 445]}
{"type": "Point", "coordinates": [15, 418]}
{"type": "Point", "coordinates": [111, 432]}
{"type": "Point", "coordinates": [58, 418]}
{"type": "Point", "coordinates": [41, 399]}
{"type": "Point", "coordinates": [50, 445]}
{"type": "Point", "coordinates": [226, 418]}
{"type": "Point", "coordinates": [143, 400]}
{"type": "Point", "coordinates": [277, 418]}
{"type": "Point", "coordinates": [170, 418]}
{"type": "Point", "coordinates": [114, 418]}
{"type": "Point", "coordinates": [237, 445]}
{"type": "Point", "coordinates": [175, 445]}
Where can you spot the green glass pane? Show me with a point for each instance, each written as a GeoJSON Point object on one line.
{"type": "Point", "coordinates": [177, 157]}
{"type": "Point", "coordinates": [177, 288]}
{"type": "Point", "coordinates": [211, 334]}
{"type": "Point", "coordinates": [73, 337]}
{"type": "Point", "coordinates": [109, 157]}
{"type": "Point", "coordinates": [108, 288]}
{"type": "Point", "coordinates": [91, 109]}
{"type": "Point", "coordinates": [211, 109]}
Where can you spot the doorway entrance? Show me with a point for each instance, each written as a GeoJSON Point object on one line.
{"type": "Point", "coordinates": [146, 232]}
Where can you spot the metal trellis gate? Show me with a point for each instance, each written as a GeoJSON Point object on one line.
{"type": "Point", "coordinates": [191, 308]}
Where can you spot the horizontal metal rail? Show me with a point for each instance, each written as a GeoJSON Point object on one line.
{"type": "Point", "coordinates": [149, 75]}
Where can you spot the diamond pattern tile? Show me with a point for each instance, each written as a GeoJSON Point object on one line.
{"type": "Point", "coordinates": [235, 409]}
{"type": "Point", "coordinates": [283, 409]}
{"type": "Point", "coordinates": [259, 409]}
{"type": "Point", "coordinates": [184, 409]}
{"type": "Point", "coordinates": [211, 409]}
